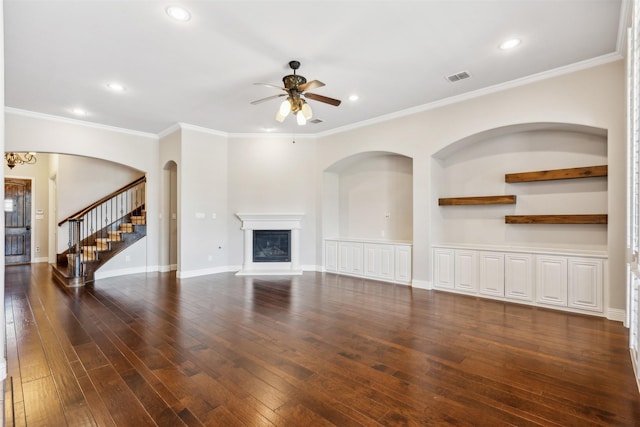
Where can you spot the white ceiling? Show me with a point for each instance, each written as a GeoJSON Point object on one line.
{"type": "Point", "coordinates": [395, 55]}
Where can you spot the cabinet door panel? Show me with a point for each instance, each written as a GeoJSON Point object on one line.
{"type": "Point", "coordinates": [466, 271]}
{"type": "Point", "coordinates": [551, 280]}
{"type": "Point", "coordinates": [443, 271]}
{"type": "Point", "coordinates": [358, 258]}
{"type": "Point", "coordinates": [491, 274]}
{"type": "Point", "coordinates": [372, 260]}
{"type": "Point", "coordinates": [518, 280]}
{"type": "Point", "coordinates": [345, 261]}
{"type": "Point", "coordinates": [331, 256]}
{"type": "Point", "coordinates": [387, 260]}
{"type": "Point", "coordinates": [403, 264]}
{"type": "Point", "coordinates": [378, 261]}
{"type": "Point", "coordinates": [585, 284]}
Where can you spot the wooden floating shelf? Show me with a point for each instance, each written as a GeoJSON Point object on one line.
{"type": "Point", "coordinates": [556, 219]}
{"type": "Point", "coordinates": [479, 200]}
{"type": "Point", "coordinates": [571, 173]}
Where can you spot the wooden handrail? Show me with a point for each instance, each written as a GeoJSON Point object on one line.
{"type": "Point", "coordinates": [104, 199]}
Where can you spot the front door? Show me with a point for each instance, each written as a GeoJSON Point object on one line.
{"type": "Point", "coordinates": [17, 221]}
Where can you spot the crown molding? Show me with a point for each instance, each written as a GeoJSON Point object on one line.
{"type": "Point", "coordinates": [270, 135]}
{"type": "Point", "coordinates": [186, 126]}
{"type": "Point", "coordinates": [168, 131]}
{"type": "Point", "coordinates": [578, 66]}
{"type": "Point", "coordinates": [59, 119]}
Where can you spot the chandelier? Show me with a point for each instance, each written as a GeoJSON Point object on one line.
{"type": "Point", "coordinates": [13, 159]}
{"type": "Point", "coordinates": [297, 106]}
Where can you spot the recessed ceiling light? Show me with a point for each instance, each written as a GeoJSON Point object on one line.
{"type": "Point", "coordinates": [178, 13]}
{"type": "Point", "coordinates": [353, 97]}
{"type": "Point", "coordinates": [510, 44]}
{"type": "Point", "coordinates": [116, 87]}
{"type": "Point", "coordinates": [79, 112]}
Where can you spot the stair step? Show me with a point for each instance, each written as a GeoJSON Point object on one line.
{"type": "Point", "coordinates": [137, 219]}
{"type": "Point", "coordinates": [126, 227]}
{"type": "Point", "coordinates": [90, 252]}
{"type": "Point", "coordinates": [115, 235]}
{"type": "Point", "coordinates": [103, 243]}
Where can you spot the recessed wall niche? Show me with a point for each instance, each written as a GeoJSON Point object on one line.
{"type": "Point", "coordinates": [477, 166]}
{"type": "Point", "coordinates": [369, 196]}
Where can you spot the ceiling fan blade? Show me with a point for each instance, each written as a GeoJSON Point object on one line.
{"type": "Point", "coordinates": [324, 99]}
{"type": "Point", "coordinates": [270, 85]}
{"type": "Point", "coordinates": [310, 85]}
{"type": "Point", "coordinates": [268, 98]}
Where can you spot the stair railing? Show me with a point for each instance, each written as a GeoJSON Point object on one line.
{"type": "Point", "coordinates": [100, 220]}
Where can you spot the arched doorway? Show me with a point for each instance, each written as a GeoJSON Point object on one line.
{"type": "Point", "coordinates": [169, 233]}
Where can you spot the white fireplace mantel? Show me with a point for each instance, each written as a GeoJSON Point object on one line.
{"type": "Point", "coordinates": [271, 221]}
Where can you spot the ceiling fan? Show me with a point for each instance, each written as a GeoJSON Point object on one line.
{"type": "Point", "coordinates": [296, 88]}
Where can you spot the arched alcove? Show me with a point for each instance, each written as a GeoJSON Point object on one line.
{"type": "Point", "coordinates": [476, 166]}
{"type": "Point", "coordinates": [369, 196]}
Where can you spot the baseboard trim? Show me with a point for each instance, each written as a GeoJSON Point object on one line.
{"type": "Point", "coordinates": [616, 314]}
{"type": "Point", "coordinates": [204, 272]}
{"type": "Point", "coordinates": [121, 272]}
{"type": "Point", "coordinates": [422, 284]}
{"type": "Point", "coordinates": [167, 268]}
{"type": "Point", "coordinates": [39, 260]}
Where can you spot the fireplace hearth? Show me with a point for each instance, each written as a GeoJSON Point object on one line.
{"type": "Point", "coordinates": [271, 244]}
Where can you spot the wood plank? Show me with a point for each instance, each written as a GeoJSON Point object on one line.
{"type": "Point", "coordinates": [319, 349]}
{"type": "Point", "coordinates": [477, 200]}
{"type": "Point", "coordinates": [553, 174]}
{"type": "Point", "coordinates": [556, 219]}
{"type": "Point", "coordinates": [41, 404]}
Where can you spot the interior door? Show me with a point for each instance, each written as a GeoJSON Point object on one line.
{"type": "Point", "coordinates": [17, 221]}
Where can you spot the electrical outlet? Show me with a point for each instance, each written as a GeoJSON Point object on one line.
{"type": "Point", "coordinates": [127, 258]}
{"type": "Point", "coordinates": [210, 258]}
{"type": "Point", "coordinates": [37, 249]}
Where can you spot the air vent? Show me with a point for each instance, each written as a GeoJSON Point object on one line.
{"type": "Point", "coordinates": [458, 76]}
{"type": "Point", "coordinates": [316, 121]}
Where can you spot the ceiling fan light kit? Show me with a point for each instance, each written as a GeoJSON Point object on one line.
{"type": "Point", "coordinates": [295, 87]}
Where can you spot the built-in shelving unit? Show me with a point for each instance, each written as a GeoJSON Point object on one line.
{"type": "Point", "coordinates": [549, 175]}
{"type": "Point", "coordinates": [477, 200]}
{"type": "Point", "coordinates": [556, 219]}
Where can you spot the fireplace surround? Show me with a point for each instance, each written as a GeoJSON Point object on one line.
{"type": "Point", "coordinates": [271, 246]}
{"type": "Point", "coordinates": [275, 224]}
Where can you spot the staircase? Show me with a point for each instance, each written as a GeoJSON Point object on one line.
{"type": "Point", "coordinates": [99, 232]}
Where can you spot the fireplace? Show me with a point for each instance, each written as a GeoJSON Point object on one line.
{"type": "Point", "coordinates": [271, 244]}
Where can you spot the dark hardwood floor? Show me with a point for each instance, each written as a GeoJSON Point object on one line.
{"type": "Point", "coordinates": [312, 350]}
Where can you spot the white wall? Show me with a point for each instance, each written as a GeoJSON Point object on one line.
{"type": "Point", "coordinates": [202, 194]}
{"type": "Point", "coordinates": [84, 180]}
{"type": "Point", "coordinates": [272, 175]}
{"type": "Point", "coordinates": [592, 97]}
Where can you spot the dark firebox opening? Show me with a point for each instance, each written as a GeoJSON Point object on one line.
{"type": "Point", "coordinates": [271, 246]}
